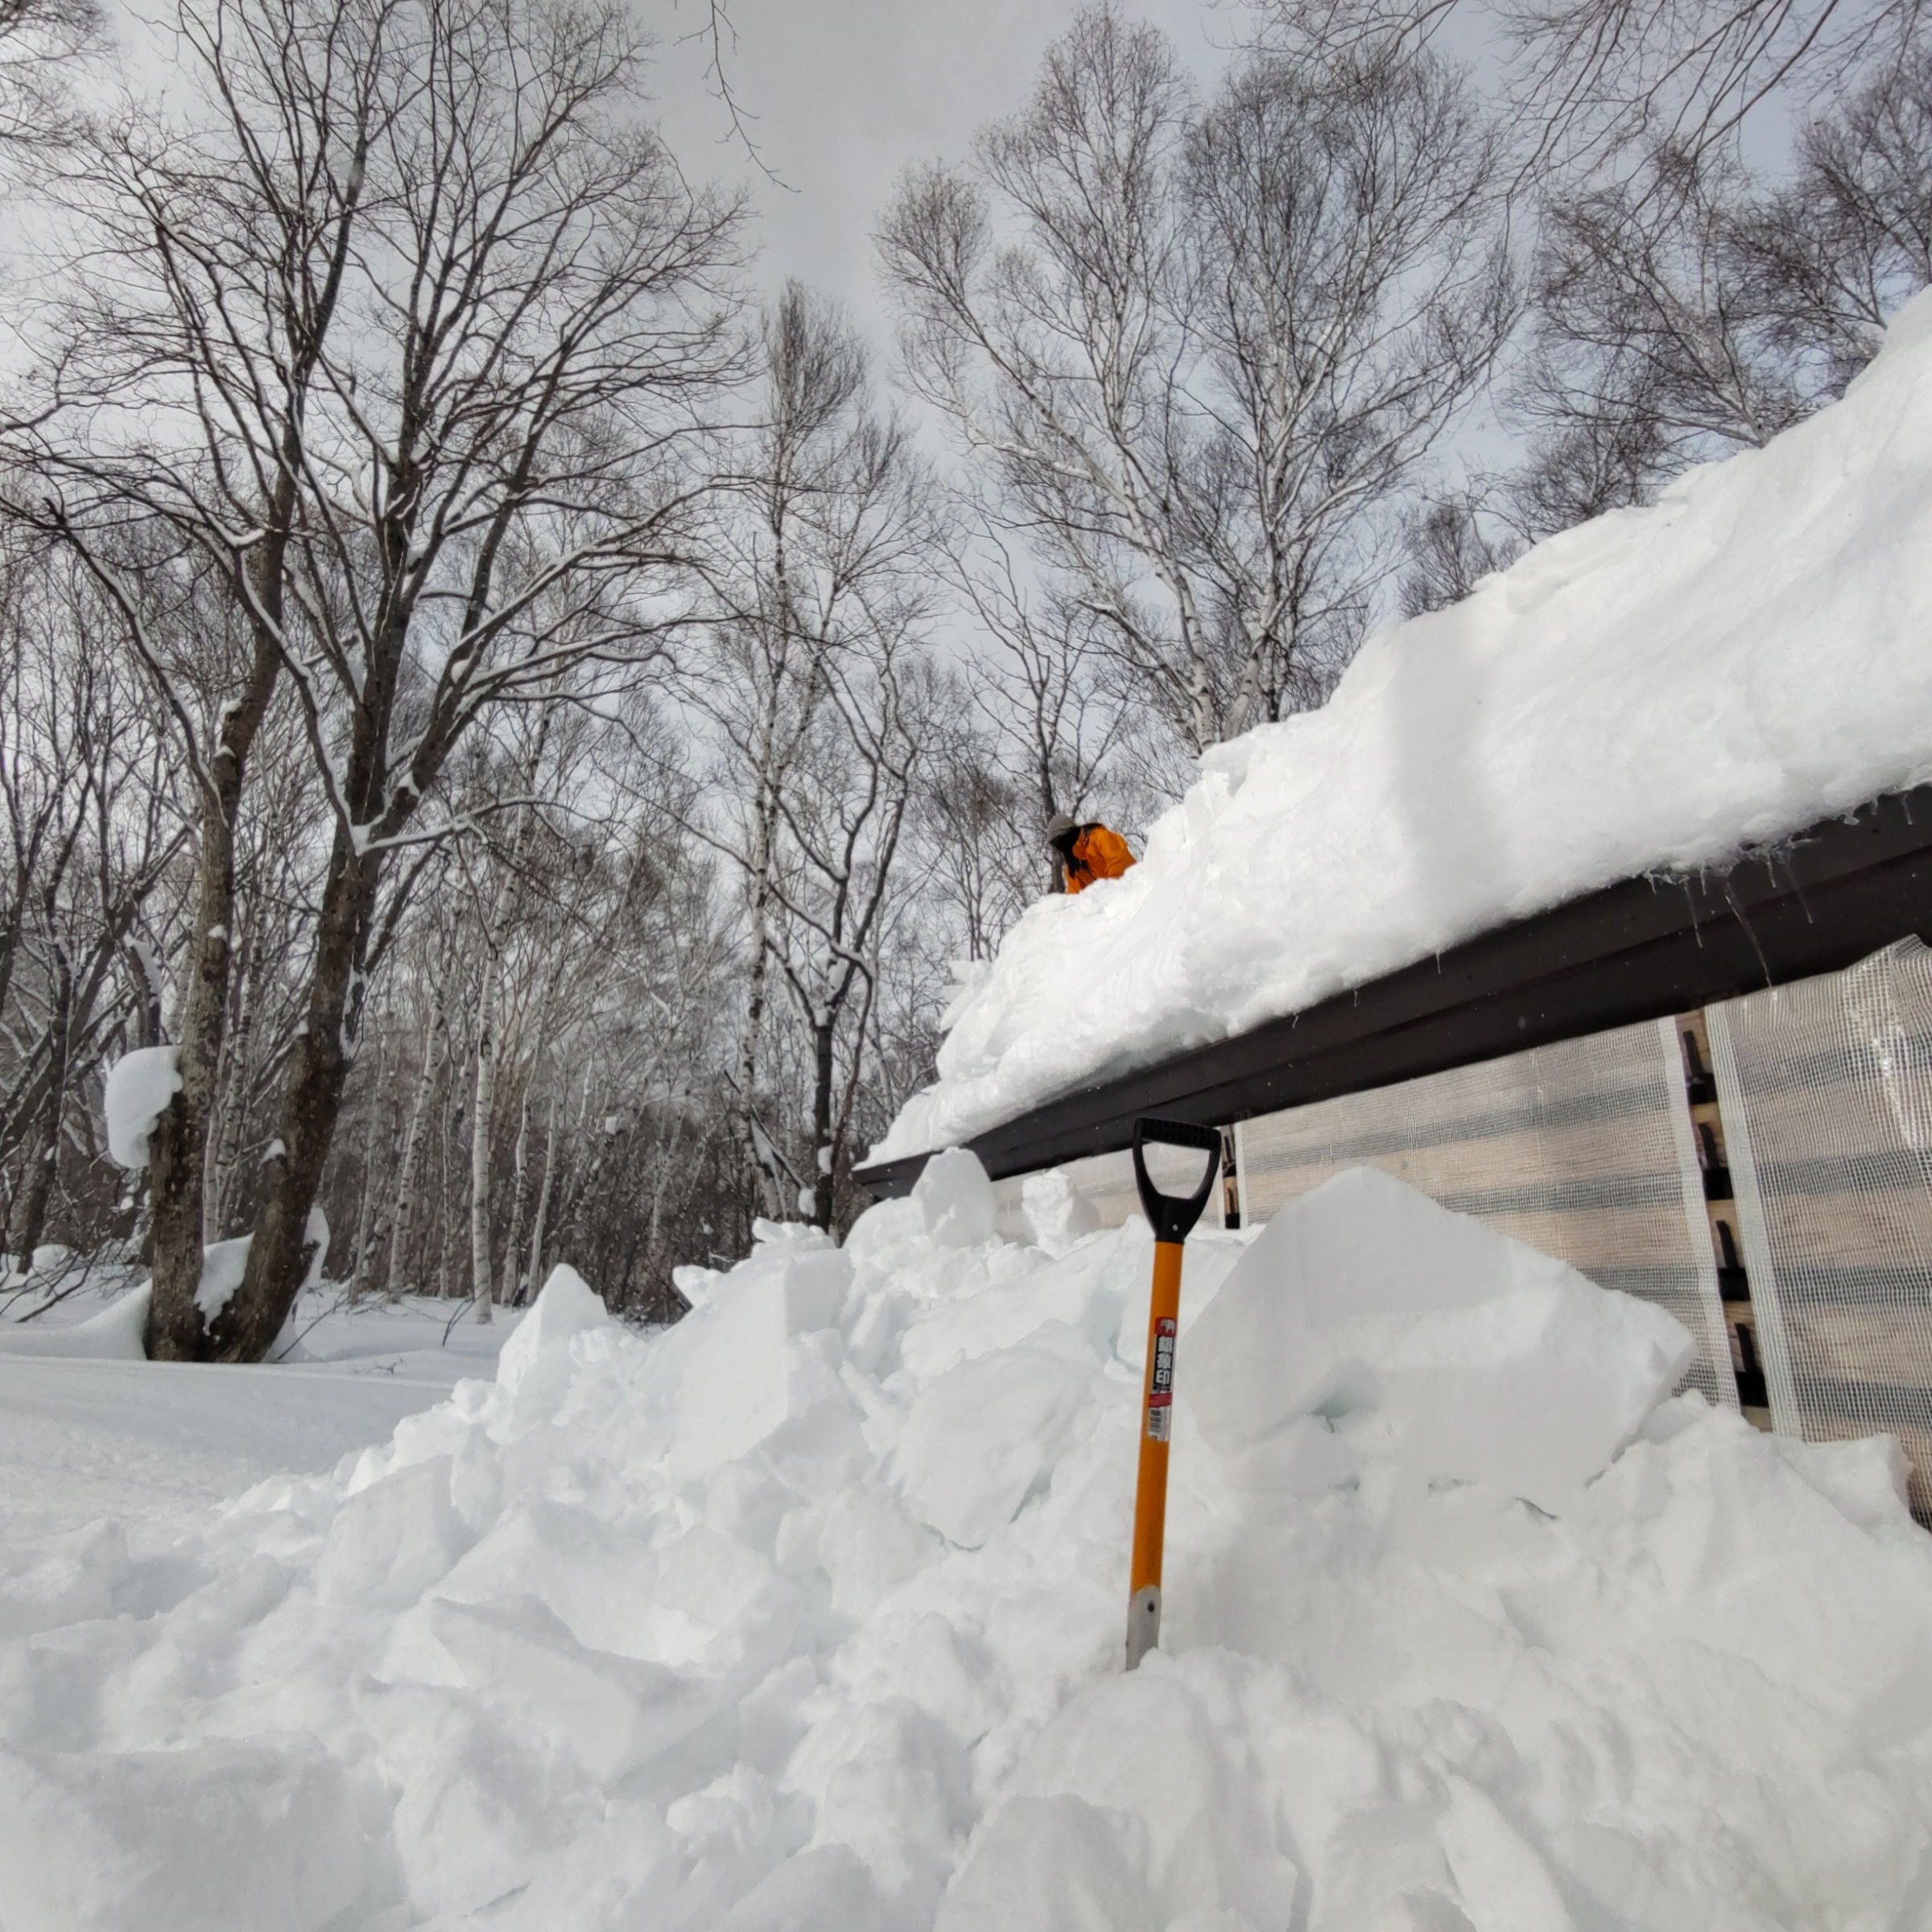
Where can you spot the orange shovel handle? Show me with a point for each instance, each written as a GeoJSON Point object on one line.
{"type": "Point", "coordinates": [1157, 1429]}
{"type": "Point", "coordinates": [1170, 1215]}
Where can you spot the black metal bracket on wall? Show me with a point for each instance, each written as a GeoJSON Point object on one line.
{"type": "Point", "coordinates": [1639, 950]}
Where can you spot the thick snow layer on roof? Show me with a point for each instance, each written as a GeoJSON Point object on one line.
{"type": "Point", "coordinates": [1654, 689]}
{"type": "Point", "coordinates": [806, 1615]}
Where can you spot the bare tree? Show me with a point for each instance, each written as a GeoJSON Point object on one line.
{"type": "Point", "coordinates": [403, 1211]}
{"type": "Point", "coordinates": [844, 815]}
{"type": "Point", "coordinates": [496, 907]}
{"type": "Point", "coordinates": [807, 685]}
{"type": "Point", "coordinates": [185, 371]}
{"type": "Point", "coordinates": [446, 318]}
{"type": "Point", "coordinates": [1452, 546]}
{"type": "Point", "coordinates": [41, 43]}
{"type": "Point", "coordinates": [1691, 311]}
{"type": "Point", "coordinates": [1201, 349]}
{"type": "Point", "coordinates": [91, 836]}
{"type": "Point", "coordinates": [1353, 294]}
{"type": "Point", "coordinates": [1042, 687]}
{"type": "Point", "coordinates": [1834, 254]}
{"type": "Point", "coordinates": [1602, 76]}
{"type": "Point", "coordinates": [1594, 82]}
{"type": "Point", "coordinates": [1647, 312]}
{"type": "Point", "coordinates": [1043, 292]}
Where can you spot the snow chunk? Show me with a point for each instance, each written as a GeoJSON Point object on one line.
{"type": "Point", "coordinates": [805, 1616]}
{"type": "Point", "coordinates": [483, 1803]}
{"type": "Point", "coordinates": [868, 1545]}
{"type": "Point", "coordinates": [745, 1377]}
{"type": "Point", "coordinates": [1489, 1361]}
{"type": "Point", "coordinates": [1057, 1213]}
{"type": "Point", "coordinates": [139, 1086]}
{"type": "Point", "coordinates": [566, 1305]}
{"type": "Point", "coordinates": [883, 1227]}
{"type": "Point", "coordinates": [825, 1889]}
{"type": "Point", "coordinates": [391, 1542]}
{"type": "Point", "coordinates": [1051, 1864]}
{"type": "Point", "coordinates": [215, 1836]}
{"type": "Point", "coordinates": [789, 1234]}
{"type": "Point", "coordinates": [694, 1283]}
{"type": "Point", "coordinates": [984, 1435]}
{"type": "Point", "coordinates": [1189, 1812]}
{"type": "Point", "coordinates": [956, 1199]}
{"type": "Point", "coordinates": [614, 1713]}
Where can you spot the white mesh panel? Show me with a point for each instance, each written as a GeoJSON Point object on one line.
{"type": "Point", "coordinates": [1584, 1150]}
{"type": "Point", "coordinates": [1826, 1087]}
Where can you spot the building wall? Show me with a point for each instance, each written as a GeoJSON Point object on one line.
{"type": "Point", "coordinates": [1762, 1168]}
{"type": "Point", "coordinates": [1826, 1088]}
{"type": "Point", "coordinates": [1585, 1150]}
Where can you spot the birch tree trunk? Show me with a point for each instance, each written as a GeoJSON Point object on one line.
{"type": "Point", "coordinates": [489, 1031]}
{"type": "Point", "coordinates": [516, 1279]}
{"type": "Point", "coordinates": [764, 1181]}
{"type": "Point", "coordinates": [366, 1217]}
{"type": "Point", "coordinates": [178, 1146]}
{"type": "Point", "coordinates": [43, 1157]}
{"type": "Point", "coordinates": [482, 1286]}
{"type": "Point", "coordinates": [404, 1216]}
{"type": "Point", "coordinates": [533, 1278]}
{"type": "Point", "coordinates": [232, 1116]}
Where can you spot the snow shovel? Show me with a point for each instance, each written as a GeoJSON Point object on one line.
{"type": "Point", "coordinates": [1171, 1217]}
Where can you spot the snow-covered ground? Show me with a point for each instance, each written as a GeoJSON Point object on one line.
{"type": "Point", "coordinates": [805, 1616]}
{"type": "Point", "coordinates": [89, 1432]}
{"type": "Point", "coordinates": [1653, 689]}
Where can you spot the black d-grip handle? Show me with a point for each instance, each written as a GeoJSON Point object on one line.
{"type": "Point", "coordinates": [1173, 1216]}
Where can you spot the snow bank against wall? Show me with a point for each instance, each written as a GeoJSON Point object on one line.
{"type": "Point", "coordinates": [1654, 689]}
{"type": "Point", "coordinates": [805, 1616]}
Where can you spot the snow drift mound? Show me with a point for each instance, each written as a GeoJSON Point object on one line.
{"type": "Point", "coordinates": [805, 1616]}
{"type": "Point", "coordinates": [1653, 689]}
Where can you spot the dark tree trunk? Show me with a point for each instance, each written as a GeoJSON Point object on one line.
{"type": "Point", "coordinates": [43, 1155]}
{"type": "Point", "coordinates": [822, 1160]}
{"type": "Point", "coordinates": [278, 1256]}
{"type": "Point", "coordinates": [177, 1149]}
{"type": "Point", "coordinates": [408, 1185]}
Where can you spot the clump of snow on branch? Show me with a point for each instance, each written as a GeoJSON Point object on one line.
{"type": "Point", "coordinates": [139, 1086]}
{"type": "Point", "coordinates": [223, 1265]}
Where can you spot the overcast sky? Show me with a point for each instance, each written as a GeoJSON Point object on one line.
{"type": "Point", "coordinates": [841, 94]}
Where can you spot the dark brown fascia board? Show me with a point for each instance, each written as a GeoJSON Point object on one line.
{"type": "Point", "coordinates": [1638, 950]}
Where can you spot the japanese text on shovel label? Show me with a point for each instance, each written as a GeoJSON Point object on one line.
{"type": "Point", "coordinates": [1160, 1393]}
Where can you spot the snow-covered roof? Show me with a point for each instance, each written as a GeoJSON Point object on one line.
{"type": "Point", "coordinates": [1654, 690]}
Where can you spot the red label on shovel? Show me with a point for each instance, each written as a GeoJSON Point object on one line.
{"type": "Point", "coordinates": [1160, 1396]}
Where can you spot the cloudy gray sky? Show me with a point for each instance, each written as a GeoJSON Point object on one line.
{"type": "Point", "coordinates": [841, 94]}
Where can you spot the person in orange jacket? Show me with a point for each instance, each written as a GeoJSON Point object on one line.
{"type": "Point", "coordinates": [1087, 852]}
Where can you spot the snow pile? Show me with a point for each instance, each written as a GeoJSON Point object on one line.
{"type": "Point", "coordinates": [139, 1086]}
{"type": "Point", "coordinates": [805, 1616]}
{"type": "Point", "coordinates": [89, 1429]}
{"type": "Point", "coordinates": [1654, 689]}
{"type": "Point", "coordinates": [114, 1333]}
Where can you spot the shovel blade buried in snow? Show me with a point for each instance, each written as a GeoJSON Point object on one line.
{"type": "Point", "coordinates": [1173, 1217]}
